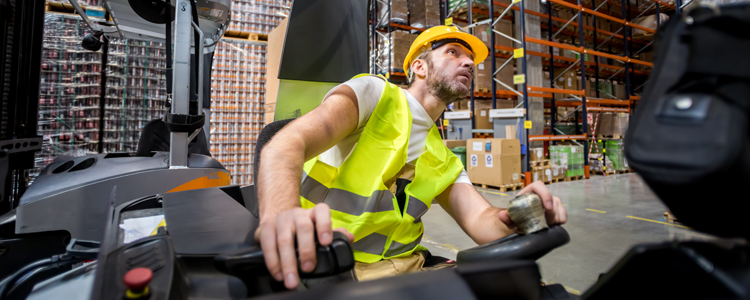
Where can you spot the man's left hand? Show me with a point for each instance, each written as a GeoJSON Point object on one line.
{"type": "Point", "coordinates": [554, 210]}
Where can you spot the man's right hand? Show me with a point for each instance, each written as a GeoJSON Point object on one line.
{"type": "Point", "coordinates": [277, 239]}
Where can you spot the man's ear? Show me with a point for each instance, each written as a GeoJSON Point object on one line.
{"type": "Point", "coordinates": [419, 66]}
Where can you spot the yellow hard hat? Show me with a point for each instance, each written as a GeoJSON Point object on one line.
{"type": "Point", "coordinates": [444, 35]}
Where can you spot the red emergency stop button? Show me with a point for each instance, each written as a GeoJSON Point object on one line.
{"type": "Point", "coordinates": [137, 280]}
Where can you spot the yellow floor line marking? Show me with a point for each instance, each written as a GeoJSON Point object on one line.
{"type": "Point", "coordinates": [599, 211]}
{"type": "Point", "coordinates": [448, 247]}
{"type": "Point", "coordinates": [572, 291]}
{"type": "Point", "coordinates": [486, 191]}
{"type": "Point", "coordinates": [658, 222]}
{"type": "Point", "coordinates": [565, 205]}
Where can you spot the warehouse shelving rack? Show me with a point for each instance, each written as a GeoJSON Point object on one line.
{"type": "Point", "coordinates": [132, 89]}
{"type": "Point", "coordinates": [599, 44]}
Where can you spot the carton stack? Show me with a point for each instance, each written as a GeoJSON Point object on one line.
{"type": "Point", "coordinates": [541, 169]}
{"type": "Point", "coordinates": [400, 43]}
{"type": "Point", "coordinates": [612, 124]}
{"type": "Point", "coordinates": [494, 162]}
{"type": "Point", "coordinates": [568, 157]}
{"type": "Point", "coordinates": [483, 76]}
{"type": "Point", "coordinates": [399, 11]}
{"type": "Point", "coordinates": [424, 13]}
{"type": "Point", "coordinates": [482, 114]}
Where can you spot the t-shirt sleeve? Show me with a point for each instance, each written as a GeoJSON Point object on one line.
{"type": "Point", "coordinates": [368, 90]}
{"type": "Point", "coordinates": [463, 178]}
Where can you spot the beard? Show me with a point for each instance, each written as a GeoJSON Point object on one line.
{"type": "Point", "coordinates": [445, 87]}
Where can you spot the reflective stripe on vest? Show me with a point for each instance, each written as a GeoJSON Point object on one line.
{"type": "Point", "coordinates": [353, 204]}
{"type": "Point", "coordinates": [356, 191]}
{"type": "Point", "coordinates": [375, 244]}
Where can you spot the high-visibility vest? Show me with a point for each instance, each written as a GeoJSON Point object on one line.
{"type": "Point", "coordinates": [356, 191]}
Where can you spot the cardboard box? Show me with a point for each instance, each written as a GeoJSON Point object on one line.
{"type": "Point", "coordinates": [537, 154]}
{"type": "Point", "coordinates": [454, 143]}
{"type": "Point", "coordinates": [547, 174]}
{"type": "Point", "coordinates": [424, 13]}
{"type": "Point", "coordinates": [400, 44]}
{"type": "Point", "coordinates": [482, 114]}
{"type": "Point", "coordinates": [494, 162]}
{"type": "Point", "coordinates": [558, 172]}
{"type": "Point", "coordinates": [620, 91]}
{"type": "Point", "coordinates": [537, 174]}
{"type": "Point", "coordinates": [483, 75]}
{"type": "Point", "coordinates": [504, 26]}
{"type": "Point", "coordinates": [399, 11]}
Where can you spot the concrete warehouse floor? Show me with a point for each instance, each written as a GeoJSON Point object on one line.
{"type": "Point", "coordinates": [606, 216]}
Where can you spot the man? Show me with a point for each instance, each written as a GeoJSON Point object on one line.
{"type": "Point", "coordinates": [370, 161]}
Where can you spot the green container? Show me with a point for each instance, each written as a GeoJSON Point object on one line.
{"type": "Point", "coordinates": [461, 153]}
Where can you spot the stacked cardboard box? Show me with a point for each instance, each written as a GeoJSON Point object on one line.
{"type": "Point", "coordinates": [569, 158]}
{"type": "Point", "coordinates": [424, 13]}
{"type": "Point", "coordinates": [494, 162]}
{"type": "Point", "coordinates": [612, 124]}
{"type": "Point", "coordinates": [540, 172]}
{"type": "Point", "coordinates": [400, 43]}
{"type": "Point", "coordinates": [399, 11]}
{"type": "Point", "coordinates": [483, 75]}
{"type": "Point", "coordinates": [619, 89]}
{"type": "Point", "coordinates": [482, 114]}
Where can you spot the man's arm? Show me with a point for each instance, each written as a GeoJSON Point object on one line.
{"type": "Point", "coordinates": [279, 176]}
{"type": "Point", "coordinates": [485, 223]}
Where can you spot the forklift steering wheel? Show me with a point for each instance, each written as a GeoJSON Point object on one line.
{"type": "Point", "coordinates": [515, 246]}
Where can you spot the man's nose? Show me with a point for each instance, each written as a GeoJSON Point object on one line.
{"type": "Point", "coordinates": [468, 63]}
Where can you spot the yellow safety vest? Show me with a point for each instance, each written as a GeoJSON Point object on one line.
{"type": "Point", "coordinates": [356, 191]}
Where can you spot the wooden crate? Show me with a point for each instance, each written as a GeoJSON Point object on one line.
{"type": "Point", "coordinates": [245, 36]}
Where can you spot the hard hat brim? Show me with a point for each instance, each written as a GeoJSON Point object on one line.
{"type": "Point", "coordinates": [479, 49]}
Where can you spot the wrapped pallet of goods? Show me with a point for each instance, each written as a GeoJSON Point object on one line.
{"type": "Point", "coordinates": [568, 157]}
{"type": "Point", "coordinates": [615, 153]}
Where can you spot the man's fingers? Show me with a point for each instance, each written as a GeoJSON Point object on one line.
{"type": "Point", "coordinates": [321, 215]}
{"type": "Point", "coordinates": [348, 234]}
{"type": "Point", "coordinates": [285, 234]}
{"type": "Point", "coordinates": [267, 239]}
{"type": "Point", "coordinates": [541, 190]}
{"type": "Point", "coordinates": [561, 212]}
{"type": "Point", "coordinates": [305, 242]}
{"type": "Point", "coordinates": [505, 218]}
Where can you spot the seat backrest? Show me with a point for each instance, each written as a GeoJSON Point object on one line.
{"type": "Point", "coordinates": [264, 137]}
{"type": "Point", "coordinates": [155, 137]}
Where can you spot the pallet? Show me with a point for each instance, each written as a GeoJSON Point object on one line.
{"type": "Point", "coordinates": [540, 163]}
{"type": "Point", "coordinates": [556, 180]}
{"type": "Point", "coordinates": [502, 188]}
{"type": "Point", "coordinates": [605, 173]}
{"type": "Point", "coordinates": [572, 178]}
{"type": "Point", "coordinates": [245, 36]}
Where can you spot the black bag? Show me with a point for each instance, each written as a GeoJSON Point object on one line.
{"type": "Point", "coordinates": [689, 137]}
